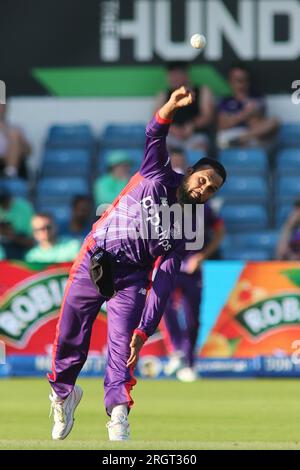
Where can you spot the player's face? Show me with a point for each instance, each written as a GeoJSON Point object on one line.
{"type": "Point", "coordinates": [199, 186]}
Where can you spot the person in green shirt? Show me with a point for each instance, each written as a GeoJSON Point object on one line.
{"type": "Point", "coordinates": [49, 249]}
{"type": "Point", "coordinates": [15, 224]}
{"type": "Point", "coordinates": [109, 186]}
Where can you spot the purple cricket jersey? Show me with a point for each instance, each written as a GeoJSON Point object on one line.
{"type": "Point", "coordinates": [155, 185]}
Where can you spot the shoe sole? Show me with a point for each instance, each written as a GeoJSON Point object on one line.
{"type": "Point", "coordinates": [73, 419]}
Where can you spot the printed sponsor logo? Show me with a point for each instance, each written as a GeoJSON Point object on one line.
{"type": "Point", "coordinates": [271, 313]}
{"type": "Point", "coordinates": [30, 303]}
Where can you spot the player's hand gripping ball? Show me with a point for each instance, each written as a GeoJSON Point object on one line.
{"type": "Point", "coordinates": [198, 41]}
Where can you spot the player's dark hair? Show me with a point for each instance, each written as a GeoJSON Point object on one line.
{"type": "Point", "coordinates": [217, 166]}
{"type": "Point", "coordinates": [181, 65]}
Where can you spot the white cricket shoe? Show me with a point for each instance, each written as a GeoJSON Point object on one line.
{"type": "Point", "coordinates": [63, 412]}
{"type": "Point", "coordinates": [187, 374]}
{"type": "Point", "coordinates": [118, 426]}
{"type": "Point", "coordinates": [174, 364]}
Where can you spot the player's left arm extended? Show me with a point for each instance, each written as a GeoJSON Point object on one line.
{"type": "Point", "coordinates": [162, 286]}
{"type": "Point", "coordinates": [156, 154]}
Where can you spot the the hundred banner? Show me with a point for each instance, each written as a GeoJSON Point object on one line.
{"type": "Point", "coordinates": [119, 48]}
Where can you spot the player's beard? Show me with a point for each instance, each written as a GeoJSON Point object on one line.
{"type": "Point", "coordinates": [184, 195]}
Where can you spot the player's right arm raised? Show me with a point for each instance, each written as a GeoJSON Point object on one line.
{"type": "Point", "coordinates": [156, 154]}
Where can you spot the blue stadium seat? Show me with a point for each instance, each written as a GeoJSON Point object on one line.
{"type": "Point", "coordinates": [288, 162]}
{"type": "Point", "coordinates": [244, 217]}
{"type": "Point", "coordinates": [66, 162]}
{"type": "Point", "coordinates": [194, 155]}
{"type": "Point", "coordinates": [244, 161]}
{"type": "Point", "coordinates": [245, 189]}
{"type": "Point", "coordinates": [244, 254]}
{"type": "Point", "coordinates": [123, 135]}
{"type": "Point", "coordinates": [282, 213]}
{"type": "Point", "coordinates": [70, 135]}
{"type": "Point", "coordinates": [288, 189]}
{"type": "Point", "coordinates": [16, 186]}
{"type": "Point", "coordinates": [261, 240]}
{"type": "Point", "coordinates": [289, 134]}
{"type": "Point", "coordinates": [60, 190]}
{"type": "Point", "coordinates": [135, 154]}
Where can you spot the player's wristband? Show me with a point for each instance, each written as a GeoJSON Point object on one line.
{"type": "Point", "coordinates": [160, 120]}
{"type": "Point", "coordinates": [141, 334]}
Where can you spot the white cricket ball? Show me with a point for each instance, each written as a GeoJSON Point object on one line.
{"type": "Point", "coordinates": [198, 41]}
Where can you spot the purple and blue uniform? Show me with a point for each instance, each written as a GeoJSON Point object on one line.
{"type": "Point", "coordinates": [129, 310]}
{"type": "Point", "coordinates": [187, 293]}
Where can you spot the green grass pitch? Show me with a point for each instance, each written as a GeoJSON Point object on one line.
{"type": "Point", "coordinates": [208, 414]}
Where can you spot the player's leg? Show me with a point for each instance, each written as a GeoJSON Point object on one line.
{"type": "Point", "coordinates": [124, 312]}
{"type": "Point", "coordinates": [79, 309]}
{"type": "Point", "coordinates": [174, 331]}
{"type": "Point", "coordinates": [191, 298]}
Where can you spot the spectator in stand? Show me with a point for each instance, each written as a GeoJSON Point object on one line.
{"type": "Point", "coordinates": [48, 248]}
{"type": "Point", "coordinates": [14, 148]}
{"type": "Point", "coordinates": [191, 125]}
{"type": "Point", "coordinates": [242, 119]}
{"type": "Point", "coordinates": [288, 247]}
{"type": "Point", "coordinates": [109, 186]}
{"type": "Point", "coordinates": [81, 218]}
{"type": "Point", "coordinates": [15, 225]}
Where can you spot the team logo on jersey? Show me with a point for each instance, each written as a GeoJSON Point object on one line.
{"type": "Point", "coordinates": [151, 211]}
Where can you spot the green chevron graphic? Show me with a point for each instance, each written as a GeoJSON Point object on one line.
{"type": "Point", "coordinates": [120, 81]}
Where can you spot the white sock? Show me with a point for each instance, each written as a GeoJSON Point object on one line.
{"type": "Point", "coordinates": [119, 409]}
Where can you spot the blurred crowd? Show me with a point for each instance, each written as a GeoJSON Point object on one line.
{"type": "Point", "coordinates": [239, 120]}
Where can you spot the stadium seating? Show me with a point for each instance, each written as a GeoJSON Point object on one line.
{"type": "Point", "coordinates": [60, 190]}
{"type": "Point", "coordinates": [135, 154]}
{"type": "Point", "coordinates": [16, 186]}
{"type": "Point", "coordinates": [289, 134]}
{"type": "Point", "coordinates": [262, 240]}
{"type": "Point", "coordinates": [194, 155]}
{"type": "Point", "coordinates": [70, 136]}
{"type": "Point", "coordinates": [288, 162]}
{"type": "Point", "coordinates": [282, 212]}
{"type": "Point", "coordinates": [66, 162]}
{"type": "Point", "coordinates": [250, 162]}
{"type": "Point", "coordinates": [288, 189]}
{"type": "Point", "coordinates": [245, 217]}
{"type": "Point", "coordinates": [123, 135]}
{"type": "Point", "coordinates": [245, 189]}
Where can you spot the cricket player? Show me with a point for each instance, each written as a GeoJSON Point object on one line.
{"type": "Point", "coordinates": [114, 265]}
{"type": "Point", "coordinates": [187, 293]}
